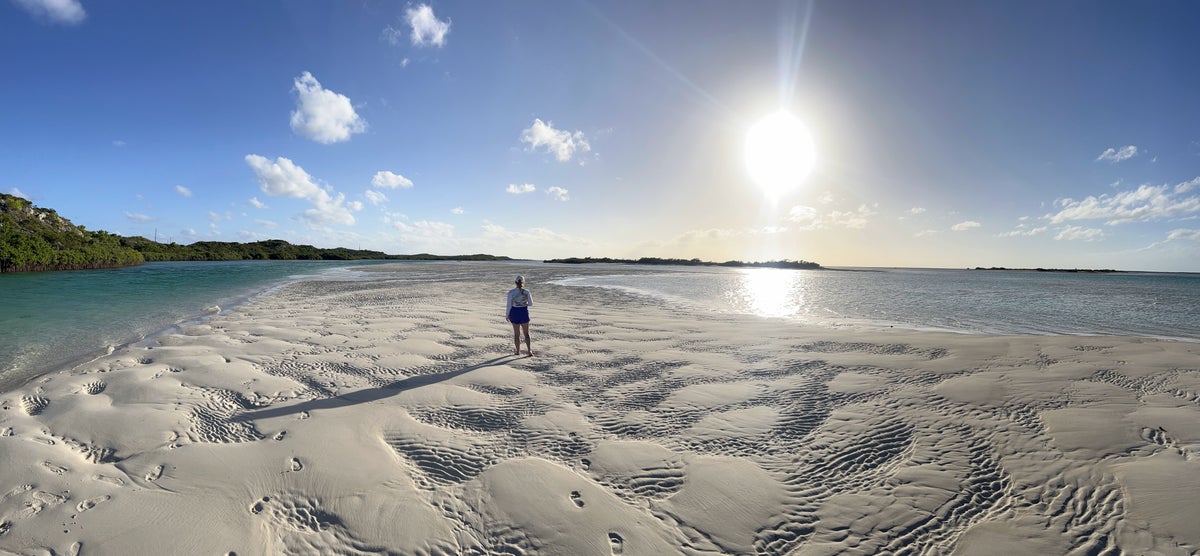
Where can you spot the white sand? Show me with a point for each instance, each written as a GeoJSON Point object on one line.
{"type": "Point", "coordinates": [373, 418]}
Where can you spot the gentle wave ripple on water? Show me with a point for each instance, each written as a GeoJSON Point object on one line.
{"type": "Point", "coordinates": [972, 301]}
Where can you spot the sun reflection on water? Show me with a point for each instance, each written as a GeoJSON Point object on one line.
{"type": "Point", "coordinates": [770, 292]}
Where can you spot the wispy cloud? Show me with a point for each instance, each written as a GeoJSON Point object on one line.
{"type": "Point", "coordinates": [424, 28]}
{"type": "Point", "coordinates": [389, 180]}
{"type": "Point", "coordinates": [257, 204]}
{"type": "Point", "coordinates": [1184, 234]}
{"type": "Point", "coordinates": [562, 144]}
{"type": "Point", "coordinates": [809, 218]}
{"type": "Point", "coordinates": [284, 178]}
{"type": "Point", "coordinates": [183, 191]}
{"type": "Point", "coordinates": [558, 193]}
{"type": "Point", "coordinates": [18, 193]}
{"type": "Point", "coordinates": [521, 189]}
{"type": "Point", "coordinates": [66, 12]}
{"type": "Point", "coordinates": [457, 210]}
{"type": "Point", "coordinates": [118, 143]}
{"type": "Point", "coordinates": [916, 210]}
{"type": "Point", "coordinates": [323, 115]}
{"type": "Point", "coordinates": [1023, 230]}
{"type": "Point", "coordinates": [1146, 203]}
{"type": "Point", "coordinates": [426, 232]}
{"type": "Point", "coordinates": [1074, 233]}
{"type": "Point", "coordinates": [268, 224]}
{"type": "Point", "coordinates": [134, 217]}
{"type": "Point", "coordinates": [1118, 154]}
{"type": "Point", "coordinates": [966, 225]}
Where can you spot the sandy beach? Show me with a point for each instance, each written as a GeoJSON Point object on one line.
{"type": "Point", "coordinates": [390, 417]}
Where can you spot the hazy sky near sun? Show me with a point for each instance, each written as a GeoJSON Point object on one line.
{"type": "Point", "coordinates": [947, 133]}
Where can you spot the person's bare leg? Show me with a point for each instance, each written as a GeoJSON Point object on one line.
{"type": "Point", "coordinates": [517, 338]}
{"type": "Point", "coordinates": [528, 344]}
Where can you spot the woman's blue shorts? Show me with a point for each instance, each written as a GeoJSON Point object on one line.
{"type": "Point", "coordinates": [518, 315]}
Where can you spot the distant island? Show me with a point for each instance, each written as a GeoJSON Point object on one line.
{"type": "Point", "coordinates": [1085, 270]}
{"type": "Point", "coordinates": [690, 262]}
{"type": "Point", "coordinates": [38, 239]}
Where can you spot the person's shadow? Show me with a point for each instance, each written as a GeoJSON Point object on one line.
{"type": "Point", "coordinates": [367, 395]}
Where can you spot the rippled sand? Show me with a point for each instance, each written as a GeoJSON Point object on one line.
{"type": "Point", "coordinates": [390, 417]}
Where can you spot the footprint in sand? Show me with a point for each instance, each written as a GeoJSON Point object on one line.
{"type": "Point", "coordinates": [257, 508]}
{"type": "Point", "coordinates": [585, 464]}
{"type": "Point", "coordinates": [6, 432]}
{"type": "Point", "coordinates": [115, 481]}
{"type": "Point", "coordinates": [303, 415]}
{"type": "Point", "coordinates": [76, 548]}
{"type": "Point", "coordinates": [56, 469]}
{"type": "Point", "coordinates": [4, 527]}
{"type": "Point", "coordinates": [617, 543]}
{"type": "Point", "coordinates": [33, 405]}
{"type": "Point", "coordinates": [280, 435]}
{"type": "Point", "coordinates": [91, 503]}
{"type": "Point", "coordinates": [295, 465]}
{"type": "Point", "coordinates": [577, 498]}
{"type": "Point", "coordinates": [155, 473]}
{"type": "Point", "coordinates": [19, 490]}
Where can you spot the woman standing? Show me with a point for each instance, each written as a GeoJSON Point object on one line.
{"type": "Point", "coordinates": [519, 301]}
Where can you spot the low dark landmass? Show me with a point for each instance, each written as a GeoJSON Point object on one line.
{"type": "Point", "coordinates": [1081, 270]}
{"type": "Point", "coordinates": [38, 239]}
{"type": "Point", "coordinates": [689, 262]}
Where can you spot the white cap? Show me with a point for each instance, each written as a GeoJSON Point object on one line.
{"type": "Point", "coordinates": [520, 279]}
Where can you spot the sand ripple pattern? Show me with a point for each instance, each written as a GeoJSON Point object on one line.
{"type": "Point", "coordinates": [638, 428]}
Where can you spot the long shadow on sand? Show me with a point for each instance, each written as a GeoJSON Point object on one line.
{"type": "Point", "coordinates": [369, 395]}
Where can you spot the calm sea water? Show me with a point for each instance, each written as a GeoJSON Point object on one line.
{"type": "Point", "coordinates": [52, 319]}
{"type": "Point", "coordinates": [970, 301]}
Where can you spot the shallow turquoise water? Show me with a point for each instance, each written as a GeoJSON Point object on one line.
{"type": "Point", "coordinates": [51, 319]}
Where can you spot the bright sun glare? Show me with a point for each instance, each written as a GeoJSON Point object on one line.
{"type": "Point", "coordinates": [779, 153]}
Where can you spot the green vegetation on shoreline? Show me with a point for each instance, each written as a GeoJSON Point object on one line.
{"type": "Point", "coordinates": [690, 262]}
{"type": "Point", "coordinates": [38, 239]}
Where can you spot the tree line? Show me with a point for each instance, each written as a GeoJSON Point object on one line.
{"type": "Point", "coordinates": [36, 239]}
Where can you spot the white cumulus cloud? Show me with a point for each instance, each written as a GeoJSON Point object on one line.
{"type": "Point", "coordinates": [284, 178]}
{"type": "Point", "coordinates": [389, 180]}
{"type": "Point", "coordinates": [964, 226]}
{"type": "Point", "coordinates": [425, 28]}
{"type": "Point", "coordinates": [257, 204]}
{"type": "Point", "coordinates": [323, 115]}
{"type": "Point", "coordinates": [558, 193]}
{"type": "Point", "coordinates": [457, 210]}
{"type": "Point", "coordinates": [521, 189]}
{"type": "Point", "coordinates": [562, 144]}
{"type": "Point", "coordinates": [375, 197]}
{"type": "Point", "coordinates": [183, 191]}
{"type": "Point", "coordinates": [67, 12]}
{"type": "Point", "coordinates": [1118, 154]}
{"type": "Point", "coordinates": [916, 210]}
{"type": "Point", "coordinates": [1146, 203]}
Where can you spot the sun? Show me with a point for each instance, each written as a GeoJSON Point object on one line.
{"type": "Point", "coordinates": [779, 153]}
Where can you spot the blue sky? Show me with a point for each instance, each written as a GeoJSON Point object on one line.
{"type": "Point", "coordinates": [946, 134]}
